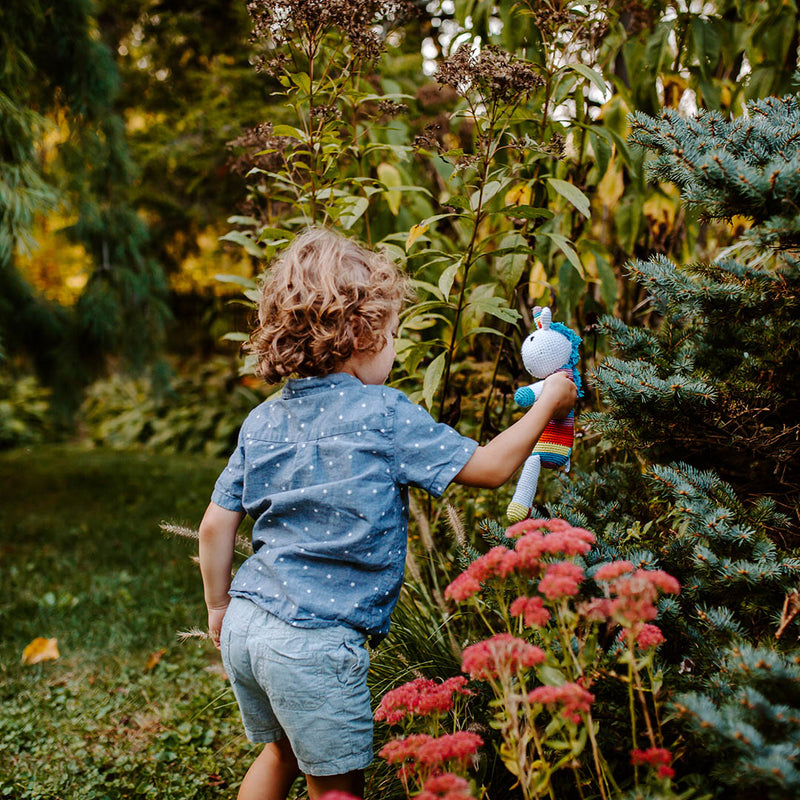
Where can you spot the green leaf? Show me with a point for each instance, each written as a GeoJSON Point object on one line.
{"type": "Point", "coordinates": [483, 195]}
{"type": "Point", "coordinates": [526, 212]}
{"type": "Point", "coordinates": [433, 377]}
{"type": "Point", "coordinates": [239, 280]}
{"type": "Point", "coordinates": [572, 194]}
{"type": "Point", "coordinates": [353, 211]}
{"type": "Point", "coordinates": [289, 130]}
{"type": "Point", "coordinates": [591, 75]}
{"type": "Point", "coordinates": [238, 220]}
{"type": "Point", "coordinates": [447, 277]}
{"type": "Point", "coordinates": [510, 267]}
{"type": "Point", "coordinates": [245, 241]}
{"type": "Point", "coordinates": [567, 249]}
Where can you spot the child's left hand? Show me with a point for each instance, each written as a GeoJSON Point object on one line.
{"type": "Point", "coordinates": [215, 617]}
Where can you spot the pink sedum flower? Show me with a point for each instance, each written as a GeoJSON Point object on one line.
{"type": "Point", "coordinates": [420, 697]}
{"type": "Point", "coordinates": [499, 562]}
{"type": "Point", "coordinates": [445, 787]}
{"type": "Point", "coordinates": [657, 757]}
{"type": "Point", "coordinates": [500, 656]}
{"type": "Point", "coordinates": [462, 588]}
{"type": "Point", "coordinates": [561, 579]}
{"type": "Point", "coordinates": [613, 570]}
{"type": "Point", "coordinates": [457, 747]}
{"type": "Point", "coordinates": [649, 636]}
{"type": "Point", "coordinates": [532, 611]}
{"type": "Point", "coordinates": [571, 697]}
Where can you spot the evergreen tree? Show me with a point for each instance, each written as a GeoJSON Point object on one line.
{"type": "Point", "coordinates": [704, 481]}
{"type": "Point", "coordinates": [54, 63]}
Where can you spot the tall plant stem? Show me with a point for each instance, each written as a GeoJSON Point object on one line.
{"type": "Point", "coordinates": [479, 215]}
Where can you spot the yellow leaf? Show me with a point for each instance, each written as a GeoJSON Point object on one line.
{"type": "Point", "coordinates": [519, 195]}
{"type": "Point", "coordinates": [611, 187]}
{"type": "Point", "coordinates": [390, 177]}
{"type": "Point", "coordinates": [40, 649]}
{"type": "Point", "coordinates": [659, 212]}
{"type": "Point", "coordinates": [414, 234]}
{"type": "Point", "coordinates": [154, 659]}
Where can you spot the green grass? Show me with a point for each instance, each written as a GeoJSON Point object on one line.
{"type": "Point", "coordinates": [82, 559]}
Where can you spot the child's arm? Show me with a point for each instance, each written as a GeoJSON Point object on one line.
{"type": "Point", "coordinates": [494, 463]}
{"type": "Point", "coordinates": [217, 538]}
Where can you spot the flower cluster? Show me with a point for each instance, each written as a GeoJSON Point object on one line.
{"type": "Point", "coordinates": [420, 697]}
{"type": "Point", "coordinates": [500, 656]}
{"type": "Point", "coordinates": [649, 636]}
{"type": "Point", "coordinates": [532, 611]}
{"type": "Point", "coordinates": [445, 787]}
{"type": "Point", "coordinates": [561, 579]}
{"type": "Point", "coordinates": [421, 755]}
{"type": "Point", "coordinates": [499, 562]}
{"type": "Point", "coordinates": [632, 595]}
{"type": "Point", "coordinates": [535, 539]}
{"type": "Point", "coordinates": [492, 71]}
{"type": "Point", "coordinates": [657, 757]}
{"type": "Point", "coordinates": [274, 21]}
{"type": "Point", "coordinates": [572, 698]}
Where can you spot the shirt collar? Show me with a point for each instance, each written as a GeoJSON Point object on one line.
{"type": "Point", "coordinates": [298, 387]}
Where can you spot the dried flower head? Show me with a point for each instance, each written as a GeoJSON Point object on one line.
{"type": "Point", "coordinates": [491, 71]}
{"type": "Point", "coordinates": [257, 147]}
{"type": "Point", "coordinates": [363, 22]}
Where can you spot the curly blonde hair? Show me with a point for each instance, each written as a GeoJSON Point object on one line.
{"type": "Point", "coordinates": [322, 300]}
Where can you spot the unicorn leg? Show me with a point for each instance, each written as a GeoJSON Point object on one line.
{"type": "Point", "coordinates": [520, 505]}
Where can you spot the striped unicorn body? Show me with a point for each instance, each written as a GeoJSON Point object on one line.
{"type": "Point", "coordinates": [550, 348]}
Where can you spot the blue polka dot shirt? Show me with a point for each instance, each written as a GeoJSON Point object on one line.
{"type": "Point", "coordinates": [324, 471]}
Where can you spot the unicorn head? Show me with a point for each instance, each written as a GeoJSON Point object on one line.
{"type": "Point", "coordinates": [550, 346]}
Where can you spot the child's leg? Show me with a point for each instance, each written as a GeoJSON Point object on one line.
{"type": "Point", "coordinates": [272, 774]}
{"type": "Point", "coordinates": [351, 782]}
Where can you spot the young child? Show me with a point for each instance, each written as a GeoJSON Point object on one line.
{"type": "Point", "coordinates": [324, 471]}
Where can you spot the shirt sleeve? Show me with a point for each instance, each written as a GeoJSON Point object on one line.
{"type": "Point", "coordinates": [428, 454]}
{"type": "Point", "coordinates": [229, 488]}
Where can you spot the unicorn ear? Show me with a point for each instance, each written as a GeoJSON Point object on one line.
{"type": "Point", "coordinates": [543, 318]}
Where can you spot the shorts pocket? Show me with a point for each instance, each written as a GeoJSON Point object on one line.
{"type": "Point", "coordinates": [292, 681]}
{"type": "Point", "coordinates": [353, 664]}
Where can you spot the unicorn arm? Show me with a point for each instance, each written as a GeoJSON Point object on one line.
{"type": "Point", "coordinates": [525, 396]}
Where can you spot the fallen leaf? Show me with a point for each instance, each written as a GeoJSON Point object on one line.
{"type": "Point", "coordinates": [154, 659]}
{"type": "Point", "coordinates": [40, 649]}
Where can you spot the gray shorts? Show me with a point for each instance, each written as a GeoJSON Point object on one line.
{"type": "Point", "coordinates": [307, 684]}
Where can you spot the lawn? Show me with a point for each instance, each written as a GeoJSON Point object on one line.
{"type": "Point", "coordinates": [127, 710]}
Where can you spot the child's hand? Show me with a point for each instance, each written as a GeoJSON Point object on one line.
{"type": "Point", "coordinates": [215, 616]}
{"type": "Point", "coordinates": [561, 392]}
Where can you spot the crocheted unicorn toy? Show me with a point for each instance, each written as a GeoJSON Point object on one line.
{"type": "Point", "coordinates": [551, 347]}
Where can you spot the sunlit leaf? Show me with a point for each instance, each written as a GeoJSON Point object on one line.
{"type": "Point", "coordinates": [390, 177]}
{"type": "Point", "coordinates": [446, 279]}
{"type": "Point", "coordinates": [414, 234]}
{"type": "Point", "coordinates": [433, 377]}
{"type": "Point", "coordinates": [40, 649]}
{"type": "Point", "coordinates": [353, 212]}
{"type": "Point", "coordinates": [519, 195]}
